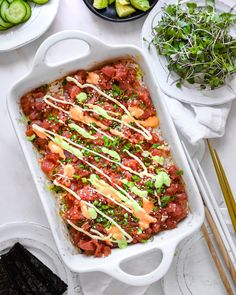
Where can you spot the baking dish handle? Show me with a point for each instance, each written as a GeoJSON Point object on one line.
{"type": "Point", "coordinates": [40, 56]}
{"type": "Point", "coordinates": [168, 251]}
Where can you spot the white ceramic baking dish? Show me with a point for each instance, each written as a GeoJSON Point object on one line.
{"type": "Point", "coordinates": [167, 241]}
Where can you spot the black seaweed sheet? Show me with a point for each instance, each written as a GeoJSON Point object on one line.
{"type": "Point", "coordinates": [6, 285]}
{"type": "Point", "coordinates": [33, 280]}
{"type": "Point", "coordinates": [21, 273]}
{"type": "Point", "coordinates": [15, 276]}
{"type": "Point", "coordinates": [55, 284]}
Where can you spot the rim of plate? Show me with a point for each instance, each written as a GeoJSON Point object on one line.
{"type": "Point", "coordinates": [20, 30]}
{"type": "Point", "coordinates": [39, 240]}
{"type": "Point", "coordinates": [175, 280]}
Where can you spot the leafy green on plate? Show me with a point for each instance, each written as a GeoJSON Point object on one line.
{"type": "Point", "coordinates": [197, 43]}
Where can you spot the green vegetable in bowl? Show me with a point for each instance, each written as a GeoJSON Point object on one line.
{"type": "Point", "coordinates": [100, 4]}
{"type": "Point", "coordinates": [124, 2]}
{"type": "Point", "coordinates": [197, 43]}
{"type": "Point", "coordinates": [123, 10]}
{"type": "Point", "coordinates": [141, 4]}
{"type": "Point", "coordinates": [40, 1]}
{"type": "Point", "coordinates": [123, 7]}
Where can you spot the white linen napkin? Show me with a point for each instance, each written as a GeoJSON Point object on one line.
{"type": "Point", "coordinates": [198, 122]}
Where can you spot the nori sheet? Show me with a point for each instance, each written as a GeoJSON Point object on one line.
{"type": "Point", "coordinates": [21, 273]}
{"type": "Point", "coordinates": [6, 285]}
{"type": "Point", "coordinates": [52, 281]}
{"type": "Point", "coordinates": [19, 283]}
{"type": "Point", "coordinates": [34, 282]}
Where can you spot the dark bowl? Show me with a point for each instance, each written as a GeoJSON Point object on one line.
{"type": "Point", "coordinates": [110, 14]}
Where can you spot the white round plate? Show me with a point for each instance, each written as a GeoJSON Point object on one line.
{"type": "Point", "coordinates": [40, 20]}
{"type": "Point", "coordinates": [187, 93]}
{"type": "Point", "coordinates": [193, 271]}
{"type": "Point", "coordinates": [39, 241]}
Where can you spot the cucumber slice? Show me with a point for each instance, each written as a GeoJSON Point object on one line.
{"type": "Point", "coordinates": [40, 2]}
{"type": "Point", "coordinates": [3, 10]}
{"type": "Point", "coordinates": [28, 12]}
{"type": "Point", "coordinates": [2, 28]}
{"type": "Point", "coordinates": [5, 24]}
{"type": "Point", "coordinates": [16, 12]}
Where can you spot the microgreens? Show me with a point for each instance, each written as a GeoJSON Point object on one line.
{"type": "Point", "coordinates": [197, 43]}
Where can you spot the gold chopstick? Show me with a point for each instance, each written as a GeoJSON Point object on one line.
{"type": "Point", "coordinates": [231, 197]}
{"type": "Point", "coordinates": [224, 184]}
{"type": "Point", "coordinates": [217, 261]}
{"type": "Point", "coordinates": [221, 246]}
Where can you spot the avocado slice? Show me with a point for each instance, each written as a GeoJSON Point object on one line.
{"type": "Point", "coordinates": [124, 10]}
{"type": "Point", "coordinates": [100, 4]}
{"type": "Point", "coordinates": [141, 4]}
{"type": "Point", "coordinates": [124, 2]}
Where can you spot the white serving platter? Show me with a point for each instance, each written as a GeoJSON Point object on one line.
{"type": "Point", "coordinates": [40, 20]}
{"type": "Point", "coordinates": [187, 93]}
{"type": "Point", "coordinates": [39, 241]}
{"type": "Point", "coordinates": [165, 242]}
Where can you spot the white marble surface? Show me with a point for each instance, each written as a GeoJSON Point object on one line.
{"type": "Point", "coordinates": [18, 199]}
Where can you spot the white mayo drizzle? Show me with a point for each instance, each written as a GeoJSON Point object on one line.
{"type": "Point", "coordinates": [46, 132]}
{"type": "Point", "coordinates": [114, 201]}
{"type": "Point", "coordinates": [95, 208]}
{"type": "Point", "coordinates": [144, 172]}
{"type": "Point", "coordinates": [148, 135]}
{"type": "Point", "coordinates": [100, 131]}
{"type": "Point", "coordinates": [117, 120]}
{"type": "Point", "coordinates": [46, 97]}
{"type": "Point", "coordinates": [100, 237]}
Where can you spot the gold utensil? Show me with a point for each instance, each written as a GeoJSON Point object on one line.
{"type": "Point", "coordinates": [224, 184]}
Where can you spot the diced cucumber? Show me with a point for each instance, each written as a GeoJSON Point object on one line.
{"type": "Point", "coordinates": [124, 10]}
{"type": "Point", "coordinates": [100, 4]}
{"type": "Point", "coordinates": [40, 2]}
{"type": "Point", "coordinates": [143, 5]}
{"type": "Point", "coordinates": [16, 12]}
{"type": "Point", "coordinates": [5, 24]}
{"type": "Point", "coordinates": [28, 12]}
{"type": "Point", "coordinates": [3, 10]}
